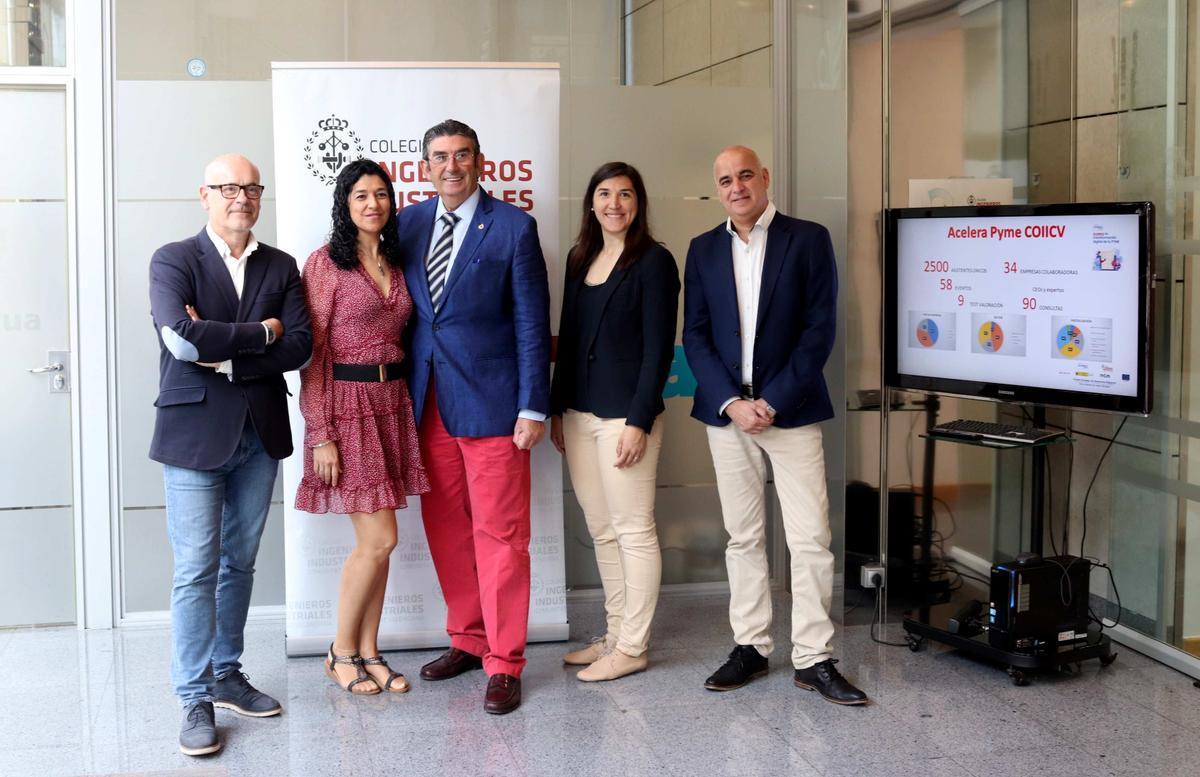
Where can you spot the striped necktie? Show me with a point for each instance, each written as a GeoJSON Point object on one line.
{"type": "Point", "coordinates": [439, 258]}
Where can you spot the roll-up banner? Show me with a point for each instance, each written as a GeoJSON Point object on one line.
{"type": "Point", "coordinates": [328, 114]}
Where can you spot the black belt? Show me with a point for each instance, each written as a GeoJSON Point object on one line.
{"type": "Point", "coordinates": [748, 391]}
{"type": "Point", "coordinates": [367, 373]}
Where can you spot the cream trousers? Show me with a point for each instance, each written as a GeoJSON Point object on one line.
{"type": "Point", "coordinates": [798, 461]}
{"type": "Point", "coordinates": [619, 507]}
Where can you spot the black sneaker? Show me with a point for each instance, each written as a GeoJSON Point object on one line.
{"type": "Point", "coordinates": [825, 679]}
{"type": "Point", "coordinates": [745, 664]}
{"type": "Point", "coordinates": [234, 692]}
{"type": "Point", "coordinates": [198, 734]}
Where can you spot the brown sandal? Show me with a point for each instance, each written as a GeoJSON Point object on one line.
{"type": "Point", "coordinates": [400, 687]}
{"type": "Point", "coordinates": [356, 661]}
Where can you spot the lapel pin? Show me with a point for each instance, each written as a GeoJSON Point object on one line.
{"type": "Point", "coordinates": [480, 226]}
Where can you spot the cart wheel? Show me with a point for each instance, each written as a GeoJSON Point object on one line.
{"type": "Point", "coordinates": [915, 643]}
{"type": "Point", "coordinates": [1107, 659]}
{"type": "Point", "coordinates": [1019, 678]}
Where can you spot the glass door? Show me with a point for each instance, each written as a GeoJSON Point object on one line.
{"type": "Point", "coordinates": [37, 526]}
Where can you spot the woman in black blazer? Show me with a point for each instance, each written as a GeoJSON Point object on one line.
{"type": "Point", "coordinates": [615, 345]}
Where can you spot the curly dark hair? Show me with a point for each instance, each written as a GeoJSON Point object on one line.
{"type": "Point", "coordinates": [343, 235]}
{"type": "Point", "coordinates": [591, 238]}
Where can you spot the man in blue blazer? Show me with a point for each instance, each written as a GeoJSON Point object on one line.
{"type": "Point", "coordinates": [480, 359]}
{"type": "Point", "coordinates": [760, 316]}
{"type": "Point", "coordinates": [231, 319]}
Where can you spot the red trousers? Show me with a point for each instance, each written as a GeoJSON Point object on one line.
{"type": "Point", "coordinates": [476, 518]}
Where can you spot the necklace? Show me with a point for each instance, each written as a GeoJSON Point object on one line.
{"type": "Point", "coordinates": [379, 264]}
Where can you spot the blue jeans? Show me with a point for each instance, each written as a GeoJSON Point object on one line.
{"type": "Point", "coordinates": [215, 519]}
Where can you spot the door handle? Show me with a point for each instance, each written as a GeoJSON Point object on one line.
{"type": "Point", "coordinates": [52, 367]}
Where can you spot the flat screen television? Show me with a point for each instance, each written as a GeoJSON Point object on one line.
{"type": "Point", "coordinates": [1040, 304]}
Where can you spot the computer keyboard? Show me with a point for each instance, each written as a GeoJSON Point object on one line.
{"type": "Point", "coordinates": [986, 430]}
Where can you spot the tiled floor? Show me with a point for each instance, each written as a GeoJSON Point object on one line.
{"type": "Point", "coordinates": [99, 703]}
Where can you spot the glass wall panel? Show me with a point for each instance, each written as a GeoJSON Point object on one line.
{"type": "Point", "coordinates": [959, 103]}
{"type": "Point", "coordinates": [34, 33]}
{"type": "Point", "coordinates": [1152, 480]}
{"type": "Point", "coordinates": [1075, 101]}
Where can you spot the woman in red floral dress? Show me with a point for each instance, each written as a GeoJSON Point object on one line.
{"type": "Point", "coordinates": [361, 454]}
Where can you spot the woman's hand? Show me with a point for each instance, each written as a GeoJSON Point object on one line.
{"type": "Point", "coordinates": [631, 446]}
{"type": "Point", "coordinates": [326, 464]}
{"type": "Point", "coordinates": [556, 434]}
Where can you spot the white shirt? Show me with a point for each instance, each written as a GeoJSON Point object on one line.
{"type": "Point", "coordinates": [748, 257]}
{"type": "Point", "coordinates": [235, 265]}
{"type": "Point", "coordinates": [237, 271]}
{"type": "Point", "coordinates": [466, 214]}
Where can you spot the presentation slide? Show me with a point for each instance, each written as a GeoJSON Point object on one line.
{"type": "Point", "coordinates": [927, 329]}
{"type": "Point", "coordinates": [1003, 335]}
{"type": "Point", "coordinates": [1057, 296]}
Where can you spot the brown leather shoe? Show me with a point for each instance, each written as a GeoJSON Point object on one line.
{"type": "Point", "coordinates": [452, 663]}
{"type": "Point", "coordinates": [503, 694]}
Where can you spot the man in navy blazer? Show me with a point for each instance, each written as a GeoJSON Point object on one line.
{"type": "Point", "coordinates": [760, 316]}
{"type": "Point", "coordinates": [480, 377]}
{"type": "Point", "coordinates": [231, 319]}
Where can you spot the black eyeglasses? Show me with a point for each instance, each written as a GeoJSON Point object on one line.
{"type": "Point", "coordinates": [230, 190]}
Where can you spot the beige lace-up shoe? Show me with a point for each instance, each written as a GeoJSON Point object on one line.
{"type": "Point", "coordinates": [613, 664]}
{"type": "Point", "coordinates": [586, 656]}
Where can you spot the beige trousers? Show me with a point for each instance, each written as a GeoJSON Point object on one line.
{"type": "Point", "coordinates": [619, 507]}
{"type": "Point", "coordinates": [798, 461]}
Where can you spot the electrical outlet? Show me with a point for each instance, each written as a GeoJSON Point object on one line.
{"type": "Point", "coordinates": [872, 576]}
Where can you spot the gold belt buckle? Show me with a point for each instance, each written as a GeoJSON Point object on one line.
{"type": "Point", "coordinates": [383, 373]}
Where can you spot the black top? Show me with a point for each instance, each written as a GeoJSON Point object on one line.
{"type": "Point", "coordinates": [616, 341]}
{"type": "Point", "coordinates": [588, 312]}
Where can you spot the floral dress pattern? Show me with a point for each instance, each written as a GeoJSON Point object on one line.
{"type": "Point", "coordinates": [371, 422]}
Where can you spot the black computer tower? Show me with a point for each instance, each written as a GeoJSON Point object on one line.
{"type": "Point", "coordinates": [862, 536]}
{"type": "Point", "coordinates": [1039, 604]}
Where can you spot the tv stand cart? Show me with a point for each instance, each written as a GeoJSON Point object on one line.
{"type": "Point", "coordinates": [934, 622]}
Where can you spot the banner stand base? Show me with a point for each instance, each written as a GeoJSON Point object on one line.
{"type": "Point", "coordinates": [418, 640]}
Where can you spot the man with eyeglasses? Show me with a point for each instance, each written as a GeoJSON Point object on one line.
{"type": "Point", "coordinates": [231, 319]}
{"type": "Point", "coordinates": [480, 383]}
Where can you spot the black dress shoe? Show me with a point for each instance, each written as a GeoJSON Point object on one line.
{"type": "Point", "coordinates": [745, 664]}
{"type": "Point", "coordinates": [452, 663]}
{"type": "Point", "coordinates": [825, 679]}
{"type": "Point", "coordinates": [503, 694]}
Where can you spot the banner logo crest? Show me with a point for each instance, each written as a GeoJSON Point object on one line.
{"type": "Point", "coordinates": [331, 142]}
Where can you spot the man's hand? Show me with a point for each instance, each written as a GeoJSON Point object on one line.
{"type": "Point", "coordinates": [762, 405]}
{"type": "Point", "coordinates": [528, 433]}
{"type": "Point", "coordinates": [749, 416]}
{"type": "Point", "coordinates": [193, 315]}
{"type": "Point", "coordinates": [326, 464]}
{"type": "Point", "coordinates": [556, 434]}
{"type": "Point", "coordinates": [276, 326]}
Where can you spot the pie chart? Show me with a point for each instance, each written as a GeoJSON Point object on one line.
{"type": "Point", "coordinates": [927, 333]}
{"type": "Point", "coordinates": [1070, 341]}
{"type": "Point", "coordinates": [991, 336]}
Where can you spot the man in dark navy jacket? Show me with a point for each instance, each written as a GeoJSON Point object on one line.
{"type": "Point", "coordinates": [231, 319]}
{"type": "Point", "coordinates": [760, 316]}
